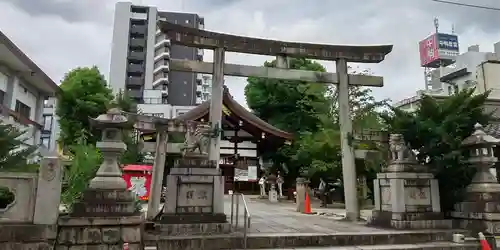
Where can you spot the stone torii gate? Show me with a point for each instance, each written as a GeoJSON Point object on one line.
{"type": "Point", "coordinates": [222, 43]}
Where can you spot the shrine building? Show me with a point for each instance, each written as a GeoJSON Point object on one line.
{"type": "Point", "coordinates": [244, 138]}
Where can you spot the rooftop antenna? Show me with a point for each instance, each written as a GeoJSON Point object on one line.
{"type": "Point", "coordinates": [452, 28]}
{"type": "Point", "coordinates": [436, 24]}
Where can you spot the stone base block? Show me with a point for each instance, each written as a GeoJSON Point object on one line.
{"type": "Point", "coordinates": [105, 232]}
{"type": "Point", "coordinates": [481, 197]}
{"type": "Point", "coordinates": [485, 206]}
{"type": "Point", "coordinates": [410, 220]}
{"type": "Point", "coordinates": [476, 216]}
{"type": "Point", "coordinates": [195, 161]}
{"type": "Point", "coordinates": [476, 226]}
{"type": "Point", "coordinates": [192, 218]}
{"type": "Point", "coordinates": [101, 203]}
{"type": "Point", "coordinates": [422, 224]}
{"type": "Point", "coordinates": [194, 229]}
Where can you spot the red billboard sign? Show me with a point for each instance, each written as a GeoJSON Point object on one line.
{"type": "Point", "coordinates": [429, 52]}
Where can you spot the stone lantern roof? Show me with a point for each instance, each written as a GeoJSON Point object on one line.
{"type": "Point", "coordinates": [113, 118]}
{"type": "Point", "coordinates": [479, 137]}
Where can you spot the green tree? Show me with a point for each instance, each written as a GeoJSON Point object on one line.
{"type": "Point", "coordinates": [84, 94]}
{"type": "Point", "coordinates": [14, 151]}
{"type": "Point", "coordinates": [14, 156]}
{"type": "Point", "coordinates": [436, 130]}
{"type": "Point", "coordinates": [293, 106]}
{"type": "Point", "coordinates": [85, 162]}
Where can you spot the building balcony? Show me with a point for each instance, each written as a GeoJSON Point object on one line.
{"type": "Point", "coordinates": [160, 78]}
{"type": "Point", "coordinates": [135, 55]}
{"type": "Point", "coordinates": [135, 81]}
{"type": "Point", "coordinates": [139, 29]}
{"type": "Point", "coordinates": [23, 124]}
{"type": "Point", "coordinates": [134, 93]}
{"type": "Point", "coordinates": [154, 101]}
{"type": "Point", "coordinates": [161, 69]}
{"type": "Point", "coordinates": [163, 43]}
{"type": "Point", "coordinates": [450, 74]}
{"type": "Point", "coordinates": [137, 68]}
{"type": "Point", "coordinates": [137, 42]}
{"type": "Point", "coordinates": [162, 56]}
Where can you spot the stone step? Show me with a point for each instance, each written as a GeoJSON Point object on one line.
{"type": "Point", "coordinates": [193, 229]}
{"type": "Point", "coordinates": [422, 246]}
{"type": "Point", "coordinates": [295, 240]}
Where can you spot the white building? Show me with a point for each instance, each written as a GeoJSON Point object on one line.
{"type": "Point", "coordinates": [140, 56]}
{"type": "Point", "coordinates": [23, 89]}
{"type": "Point", "coordinates": [471, 69]}
{"type": "Point", "coordinates": [50, 130]}
{"type": "Point", "coordinates": [205, 89]}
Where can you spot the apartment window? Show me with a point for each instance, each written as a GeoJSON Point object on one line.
{"type": "Point", "coordinates": [23, 109]}
{"type": "Point", "coordinates": [45, 141]}
{"type": "Point", "coordinates": [139, 9]}
{"type": "Point", "coordinates": [2, 96]}
{"type": "Point", "coordinates": [47, 122]}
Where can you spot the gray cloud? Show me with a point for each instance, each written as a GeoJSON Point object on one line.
{"type": "Point", "coordinates": [62, 34]}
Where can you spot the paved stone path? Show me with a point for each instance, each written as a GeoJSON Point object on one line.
{"type": "Point", "coordinates": [281, 218]}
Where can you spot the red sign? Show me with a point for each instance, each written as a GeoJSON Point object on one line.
{"type": "Point", "coordinates": [139, 182]}
{"type": "Point", "coordinates": [429, 50]}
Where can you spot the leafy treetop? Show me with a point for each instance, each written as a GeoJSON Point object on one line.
{"type": "Point", "coordinates": [84, 94]}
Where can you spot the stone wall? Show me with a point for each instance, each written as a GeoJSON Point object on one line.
{"type": "Point", "coordinates": [27, 236]}
{"type": "Point", "coordinates": [100, 233]}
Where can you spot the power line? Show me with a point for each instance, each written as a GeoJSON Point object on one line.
{"type": "Point", "coordinates": [467, 5]}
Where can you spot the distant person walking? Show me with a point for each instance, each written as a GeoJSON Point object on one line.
{"type": "Point", "coordinates": [322, 192]}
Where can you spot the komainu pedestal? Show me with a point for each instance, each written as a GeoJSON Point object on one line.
{"type": "Point", "coordinates": [480, 211]}
{"type": "Point", "coordinates": [190, 206]}
{"type": "Point", "coordinates": [406, 194]}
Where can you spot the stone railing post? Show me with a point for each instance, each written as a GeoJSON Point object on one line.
{"type": "Point", "coordinates": [302, 186]}
{"type": "Point", "coordinates": [48, 195]}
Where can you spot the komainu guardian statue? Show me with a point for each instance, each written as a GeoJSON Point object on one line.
{"type": "Point", "coordinates": [400, 151]}
{"type": "Point", "coordinates": [197, 138]}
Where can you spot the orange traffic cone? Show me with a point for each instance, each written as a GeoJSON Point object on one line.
{"type": "Point", "coordinates": [307, 205]}
{"type": "Point", "coordinates": [484, 242]}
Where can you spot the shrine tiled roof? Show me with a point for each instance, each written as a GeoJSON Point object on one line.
{"type": "Point", "coordinates": [493, 129]}
{"type": "Point", "coordinates": [240, 111]}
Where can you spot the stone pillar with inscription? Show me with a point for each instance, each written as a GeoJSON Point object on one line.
{"type": "Point", "coordinates": [480, 211]}
{"type": "Point", "coordinates": [107, 214]}
{"type": "Point", "coordinates": [191, 188]}
{"type": "Point", "coordinates": [406, 194]}
{"type": "Point", "coordinates": [302, 186]}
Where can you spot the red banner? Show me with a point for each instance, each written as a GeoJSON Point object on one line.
{"type": "Point", "coordinates": [139, 183]}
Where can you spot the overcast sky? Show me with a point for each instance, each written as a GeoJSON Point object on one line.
{"type": "Point", "coordinates": [62, 34]}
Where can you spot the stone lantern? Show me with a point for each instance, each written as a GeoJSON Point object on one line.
{"type": "Point", "coordinates": [109, 175]}
{"type": "Point", "coordinates": [107, 194]}
{"type": "Point", "coordinates": [480, 210]}
{"type": "Point", "coordinates": [480, 147]}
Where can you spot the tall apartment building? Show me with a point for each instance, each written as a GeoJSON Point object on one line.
{"type": "Point", "coordinates": [472, 69]}
{"type": "Point", "coordinates": [140, 56]}
{"type": "Point", "coordinates": [23, 89]}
